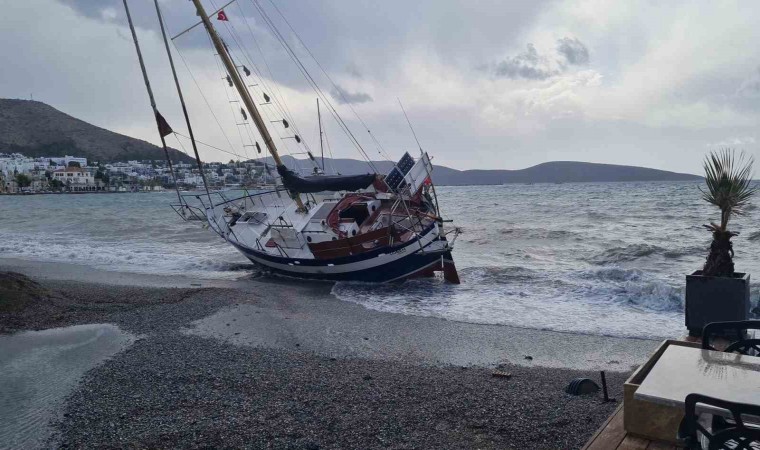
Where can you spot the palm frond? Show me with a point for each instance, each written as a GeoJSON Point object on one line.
{"type": "Point", "coordinates": [728, 180]}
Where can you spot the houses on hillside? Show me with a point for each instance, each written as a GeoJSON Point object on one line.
{"type": "Point", "coordinates": [21, 174]}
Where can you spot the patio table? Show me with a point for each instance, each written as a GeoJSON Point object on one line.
{"type": "Point", "coordinates": [684, 370]}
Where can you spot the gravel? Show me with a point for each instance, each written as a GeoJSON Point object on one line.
{"type": "Point", "coordinates": [192, 392]}
{"type": "Point", "coordinates": [172, 389]}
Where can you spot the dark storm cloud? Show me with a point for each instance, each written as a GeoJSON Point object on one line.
{"type": "Point", "coordinates": [531, 65]}
{"type": "Point", "coordinates": [573, 50]}
{"type": "Point", "coordinates": [343, 97]}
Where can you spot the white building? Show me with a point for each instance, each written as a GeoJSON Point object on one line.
{"type": "Point", "coordinates": [65, 160]}
{"type": "Point", "coordinates": [15, 163]}
{"type": "Point", "coordinates": [76, 179]}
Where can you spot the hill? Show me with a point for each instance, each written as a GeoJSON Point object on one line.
{"type": "Point", "coordinates": [549, 172]}
{"type": "Point", "coordinates": [36, 129]}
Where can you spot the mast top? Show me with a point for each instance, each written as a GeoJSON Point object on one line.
{"type": "Point", "coordinates": [245, 96]}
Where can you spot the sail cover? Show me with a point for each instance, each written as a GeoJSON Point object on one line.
{"type": "Point", "coordinates": [323, 183]}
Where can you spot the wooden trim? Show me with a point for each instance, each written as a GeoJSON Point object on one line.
{"type": "Point", "coordinates": [605, 439]}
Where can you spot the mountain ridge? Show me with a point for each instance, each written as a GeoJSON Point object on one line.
{"type": "Point", "coordinates": [547, 172]}
{"type": "Point", "coordinates": [37, 129]}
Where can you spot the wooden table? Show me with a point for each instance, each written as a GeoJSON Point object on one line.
{"type": "Point", "coordinates": [681, 371]}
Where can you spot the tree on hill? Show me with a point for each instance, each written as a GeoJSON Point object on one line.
{"type": "Point", "coordinates": [23, 180]}
{"type": "Point", "coordinates": [74, 164]}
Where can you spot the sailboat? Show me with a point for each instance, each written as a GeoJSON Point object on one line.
{"type": "Point", "coordinates": [367, 228]}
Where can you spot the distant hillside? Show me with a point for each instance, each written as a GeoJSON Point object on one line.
{"type": "Point", "coordinates": [549, 172]}
{"type": "Point", "coordinates": [37, 129]}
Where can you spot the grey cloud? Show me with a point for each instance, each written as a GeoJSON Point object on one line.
{"type": "Point", "coordinates": [750, 87]}
{"type": "Point", "coordinates": [573, 50]}
{"type": "Point", "coordinates": [343, 97]}
{"type": "Point", "coordinates": [530, 65]}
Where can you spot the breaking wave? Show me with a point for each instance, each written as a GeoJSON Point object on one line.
{"type": "Point", "coordinates": [633, 252]}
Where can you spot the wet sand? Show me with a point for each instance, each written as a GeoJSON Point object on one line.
{"type": "Point", "coordinates": [276, 364]}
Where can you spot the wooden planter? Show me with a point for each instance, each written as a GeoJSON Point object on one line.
{"type": "Point", "coordinates": [651, 420]}
{"type": "Point", "coordinates": [715, 299]}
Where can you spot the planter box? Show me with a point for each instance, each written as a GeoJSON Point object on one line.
{"type": "Point", "coordinates": [646, 419]}
{"type": "Point", "coordinates": [715, 299]}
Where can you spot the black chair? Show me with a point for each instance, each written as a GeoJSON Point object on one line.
{"type": "Point", "coordinates": [736, 436]}
{"type": "Point", "coordinates": [738, 329]}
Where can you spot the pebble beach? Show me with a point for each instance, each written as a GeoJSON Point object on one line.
{"type": "Point", "coordinates": [267, 364]}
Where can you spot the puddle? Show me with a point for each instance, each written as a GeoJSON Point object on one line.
{"type": "Point", "coordinates": [38, 369]}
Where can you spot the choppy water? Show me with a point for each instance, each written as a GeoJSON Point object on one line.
{"type": "Point", "coordinates": [606, 258]}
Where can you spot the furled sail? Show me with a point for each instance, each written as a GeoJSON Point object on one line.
{"type": "Point", "coordinates": [295, 183]}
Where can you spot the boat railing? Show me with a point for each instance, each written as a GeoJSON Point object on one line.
{"type": "Point", "coordinates": [218, 198]}
{"type": "Point", "coordinates": [189, 213]}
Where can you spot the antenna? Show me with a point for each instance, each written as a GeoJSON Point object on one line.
{"type": "Point", "coordinates": [321, 146]}
{"type": "Point", "coordinates": [410, 124]}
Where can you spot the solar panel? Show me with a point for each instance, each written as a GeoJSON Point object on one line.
{"type": "Point", "coordinates": [395, 179]}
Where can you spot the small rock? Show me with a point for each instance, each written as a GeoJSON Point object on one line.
{"type": "Point", "coordinates": [528, 357]}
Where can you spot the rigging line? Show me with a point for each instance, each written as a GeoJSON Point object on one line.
{"type": "Point", "coordinates": [162, 127]}
{"type": "Point", "coordinates": [236, 38]}
{"type": "Point", "coordinates": [335, 86]}
{"type": "Point", "coordinates": [200, 91]}
{"type": "Point", "coordinates": [311, 80]}
{"type": "Point", "coordinates": [268, 114]}
{"type": "Point", "coordinates": [275, 90]}
{"type": "Point", "coordinates": [246, 55]}
{"type": "Point", "coordinates": [208, 145]}
{"type": "Point", "coordinates": [181, 99]}
{"type": "Point", "coordinates": [329, 150]}
{"type": "Point", "coordinates": [265, 111]}
{"type": "Point", "coordinates": [410, 124]}
{"type": "Point", "coordinates": [307, 76]}
{"type": "Point", "coordinates": [285, 109]}
{"type": "Point", "coordinates": [227, 94]}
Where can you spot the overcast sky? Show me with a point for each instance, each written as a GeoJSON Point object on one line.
{"type": "Point", "coordinates": [486, 84]}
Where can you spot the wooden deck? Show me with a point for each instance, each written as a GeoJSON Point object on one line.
{"type": "Point", "coordinates": [612, 436]}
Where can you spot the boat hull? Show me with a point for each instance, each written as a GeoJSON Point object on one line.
{"type": "Point", "coordinates": [411, 266]}
{"type": "Point", "coordinates": [417, 258]}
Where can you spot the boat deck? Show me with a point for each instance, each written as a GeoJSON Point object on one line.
{"type": "Point", "coordinates": [612, 436]}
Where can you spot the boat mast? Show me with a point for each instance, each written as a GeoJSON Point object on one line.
{"type": "Point", "coordinates": [321, 146]}
{"type": "Point", "coordinates": [163, 127]}
{"type": "Point", "coordinates": [182, 102]}
{"type": "Point", "coordinates": [221, 49]}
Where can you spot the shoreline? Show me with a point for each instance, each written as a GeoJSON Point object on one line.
{"type": "Point", "coordinates": [265, 304]}
{"type": "Point", "coordinates": [272, 363]}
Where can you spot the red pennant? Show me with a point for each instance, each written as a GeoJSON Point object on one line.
{"type": "Point", "coordinates": [222, 16]}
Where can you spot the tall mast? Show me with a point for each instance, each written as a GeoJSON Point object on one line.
{"type": "Point", "coordinates": [163, 127]}
{"type": "Point", "coordinates": [221, 49]}
{"type": "Point", "coordinates": [321, 147]}
{"type": "Point", "coordinates": [182, 102]}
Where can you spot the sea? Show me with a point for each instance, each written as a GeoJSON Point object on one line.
{"type": "Point", "coordinates": [593, 258]}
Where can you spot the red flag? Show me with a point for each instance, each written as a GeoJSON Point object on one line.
{"type": "Point", "coordinates": [163, 126]}
{"type": "Point", "coordinates": [222, 16]}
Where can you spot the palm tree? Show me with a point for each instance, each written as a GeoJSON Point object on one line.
{"type": "Point", "coordinates": [729, 187]}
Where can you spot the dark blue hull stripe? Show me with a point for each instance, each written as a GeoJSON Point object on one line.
{"type": "Point", "coordinates": [394, 270]}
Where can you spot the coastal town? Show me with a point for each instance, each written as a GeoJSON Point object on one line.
{"type": "Point", "coordinates": [21, 174]}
